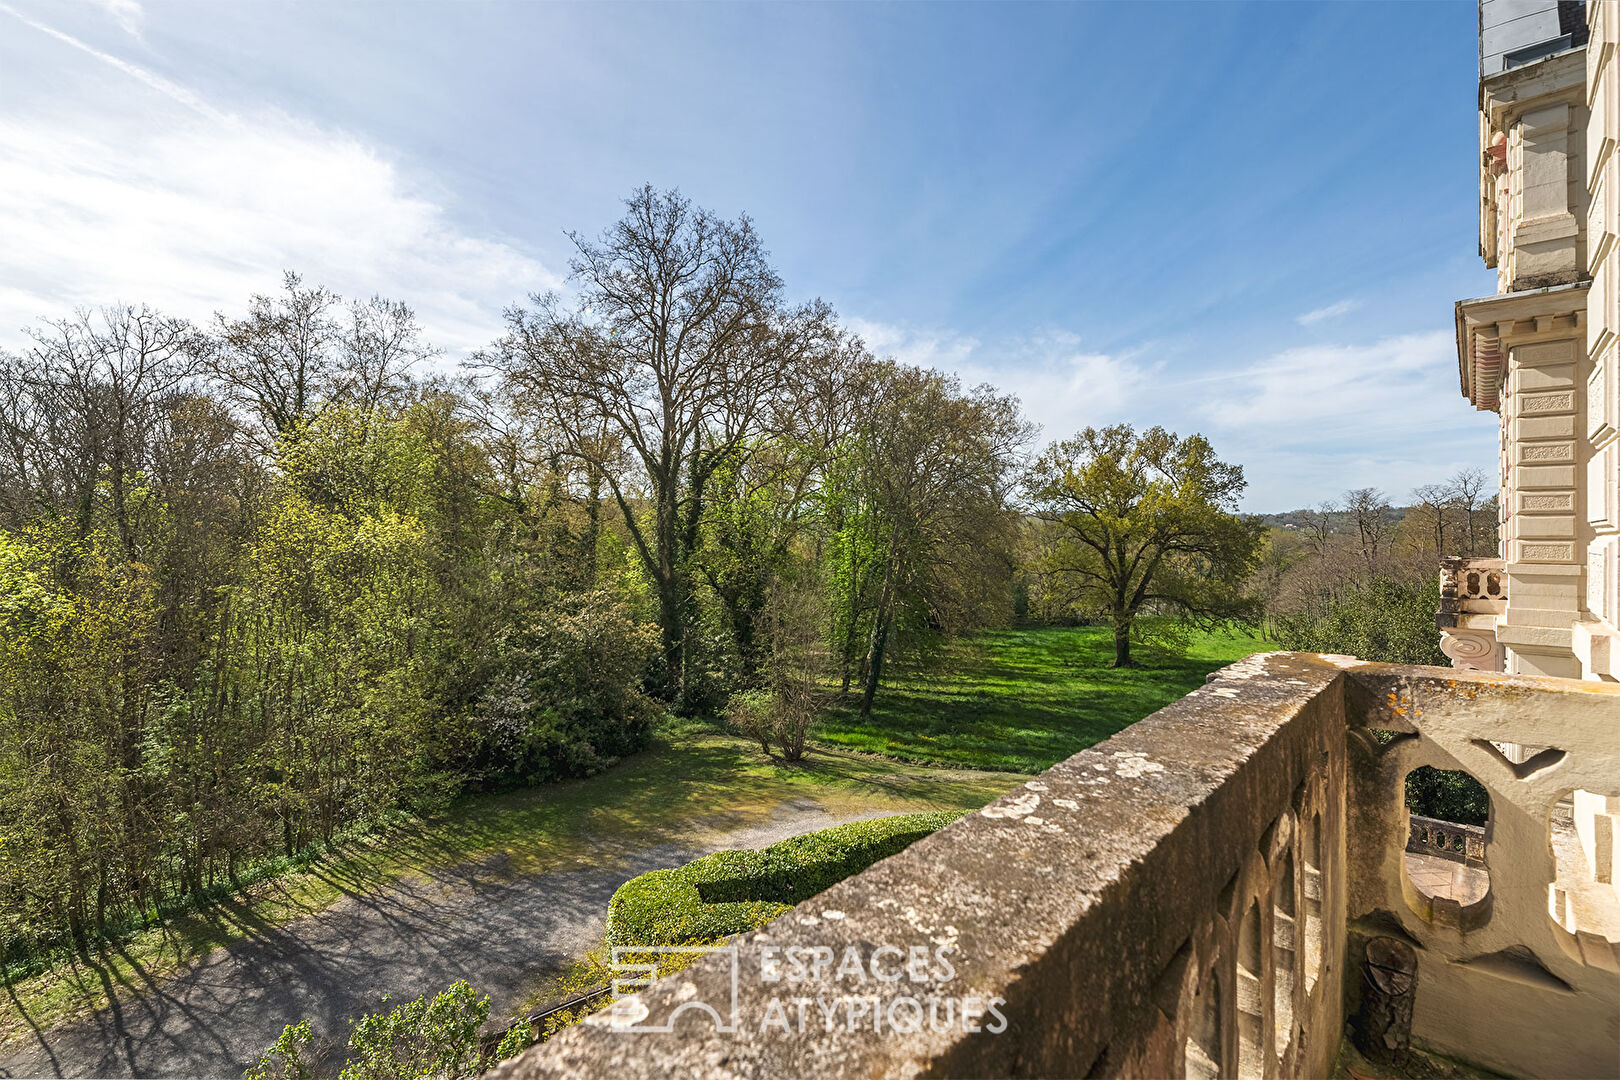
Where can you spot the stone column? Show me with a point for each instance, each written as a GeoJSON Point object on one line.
{"type": "Point", "coordinates": [1544, 388]}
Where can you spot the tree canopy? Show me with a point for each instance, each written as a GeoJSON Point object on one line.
{"type": "Point", "coordinates": [1143, 522]}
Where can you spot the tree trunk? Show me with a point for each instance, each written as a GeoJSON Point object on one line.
{"type": "Point", "coordinates": [593, 528]}
{"type": "Point", "coordinates": [1122, 642]}
{"type": "Point", "coordinates": [880, 631]}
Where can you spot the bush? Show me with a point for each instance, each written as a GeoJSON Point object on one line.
{"type": "Point", "coordinates": [1384, 620]}
{"type": "Point", "coordinates": [435, 1037]}
{"type": "Point", "coordinates": [568, 702]}
{"type": "Point", "coordinates": [778, 717]}
{"type": "Point", "coordinates": [730, 892]}
{"type": "Point", "coordinates": [426, 1038]}
{"type": "Point", "coordinates": [1447, 794]}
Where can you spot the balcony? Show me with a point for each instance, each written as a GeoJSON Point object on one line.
{"type": "Point", "coordinates": [1199, 896]}
{"type": "Point", "coordinates": [1473, 593]}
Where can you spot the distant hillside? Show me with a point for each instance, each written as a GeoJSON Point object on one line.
{"type": "Point", "coordinates": [1340, 521]}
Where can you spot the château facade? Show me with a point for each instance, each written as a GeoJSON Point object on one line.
{"type": "Point", "coordinates": [1542, 352]}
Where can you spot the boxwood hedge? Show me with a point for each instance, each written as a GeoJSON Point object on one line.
{"type": "Point", "coordinates": [733, 891]}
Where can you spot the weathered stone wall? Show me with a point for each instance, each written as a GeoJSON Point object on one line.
{"type": "Point", "coordinates": [1500, 982]}
{"type": "Point", "coordinates": [1170, 902]}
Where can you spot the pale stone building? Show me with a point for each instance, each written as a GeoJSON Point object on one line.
{"type": "Point", "coordinates": [1542, 351]}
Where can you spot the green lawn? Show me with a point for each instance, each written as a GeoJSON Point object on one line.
{"type": "Point", "coordinates": [1021, 700]}
{"type": "Point", "coordinates": [690, 778]}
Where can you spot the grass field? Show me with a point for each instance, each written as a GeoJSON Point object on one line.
{"type": "Point", "coordinates": [689, 778]}
{"type": "Point", "coordinates": [1021, 700]}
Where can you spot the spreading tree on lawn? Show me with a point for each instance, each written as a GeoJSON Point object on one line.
{"type": "Point", "coordinates": [1144, 522]}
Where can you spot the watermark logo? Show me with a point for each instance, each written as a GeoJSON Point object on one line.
{"type": "Point", "coordinates": [639, 966]}
{"type": "Point", "coordinates": [886, 989]}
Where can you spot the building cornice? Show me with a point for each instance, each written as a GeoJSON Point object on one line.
{"type": "Point", "coordinates": [1489, 325]}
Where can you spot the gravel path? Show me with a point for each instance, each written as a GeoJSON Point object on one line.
{"type": "Point", "coordinates": [504, 935]}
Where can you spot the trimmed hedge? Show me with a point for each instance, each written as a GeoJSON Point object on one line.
{"type": "Point", "coordinates": [732, 891]}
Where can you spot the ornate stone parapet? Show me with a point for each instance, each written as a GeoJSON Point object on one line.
{"type": "Point", "coordinates": [1473, 592]}
{"type": "Point", "coordinates": [1526, 947]}
{"type": "Point", "coordinates": [1446, 840]}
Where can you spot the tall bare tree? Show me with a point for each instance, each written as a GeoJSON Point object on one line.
{"type": "Point", "coordinates": [1467, 490]}
{"type": "Point", "coordinates": [1434, 503]}
{"type": "Point", "coordinates": [1370, 510]}
{"type": "Point", "coordinates": [280, 361]}
{"type": "Point", "coordinates": [677, 351]}
{"type": "Point", "coordinates": [84, 405]}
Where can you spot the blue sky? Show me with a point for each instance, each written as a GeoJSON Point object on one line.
{"type": "Point", "coordinates": [1249, 221]}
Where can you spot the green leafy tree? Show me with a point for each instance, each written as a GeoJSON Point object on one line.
{"type": "Point", "coordinates": [1145, 522]}
{"type": "Point", "coordinates": [426, 1038]}
{"type": "Point", "coordinates": [1383, 619]}
{"type": "Point", "coordinates": [928, 535]}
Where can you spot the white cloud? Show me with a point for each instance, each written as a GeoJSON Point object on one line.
{"type": "Point", "coordinates": [1331, 311]}
{"type": "Point", "coordinates": [195, 210]}
{"type": "Point", "coordinates": [943, 350]}
{"type": "Point", "coordinates": [127, 14]}
{"type": "Point", "coordinates": [1062, 386]}
{"type": "Point", "coordinates": [1310, 422]}
{"type": "Point", "coordinates": [1317, 392]}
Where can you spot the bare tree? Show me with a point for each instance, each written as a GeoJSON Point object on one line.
{"type": "Point", "coordinates": [1369, 509]}
{"type": "Point", "coordinates": [1466, 490]}
{"type": "Point", "coordinates": [84, 404]}
{"type": "Point", "coordinates": [1435, 501]}
{"type": "Point", "coordinates": [379, 344]}
{"type": "Point", "coordinates": [679, 353]}
{"type": "Point", "coordinates": [280, 361]}
{"type": "Point", "coordinates": [1318, 529]}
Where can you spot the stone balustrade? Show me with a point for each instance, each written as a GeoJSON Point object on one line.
{"type": "Point", "coordinates": [1473, 585]}
{"type": "Point", "coordinates": [1473, 594]}
{"type": "Point", "coordinates": [1446, 840]}
{"type": "Point", "coordinates": [1191, 897]}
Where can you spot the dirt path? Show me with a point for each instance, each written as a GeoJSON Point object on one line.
{"type": "Point", "coordinates": [504, 935]}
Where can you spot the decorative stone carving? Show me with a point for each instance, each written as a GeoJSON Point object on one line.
{"type": "Point", "coordinates": [1471, 650]}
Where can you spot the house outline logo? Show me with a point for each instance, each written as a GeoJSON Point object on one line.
{"type": "Point", "coordinates": [628, 1013]}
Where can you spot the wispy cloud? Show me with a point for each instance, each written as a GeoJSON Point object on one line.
{"type": "Point", "coordinates": [127, 14]}
{"type": "Point", "coordinates": [1310, 422]}
{"type": "Point", "coordinates": [1306, 423]}
{"type": "Point", "coordinates": [1331, 311]}
{"type": "Point", "coordinates": [167, 87]}
{"type": "Point", "coordinates": [197, 211]}
{"type": "Point", "coordinates": [1316, 392]}
{"type": "Point", "coordinates": [1062, 385]}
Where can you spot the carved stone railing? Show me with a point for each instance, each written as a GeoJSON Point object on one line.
{"type": "Point", "coordinates": [1446, 840]}
{"type": "Point", "coordinates": [1473, 592]}
{"type": "Point", "coordinates": [1191, 897]}
{"type": "Point", "coordinates": [1499, 952]}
